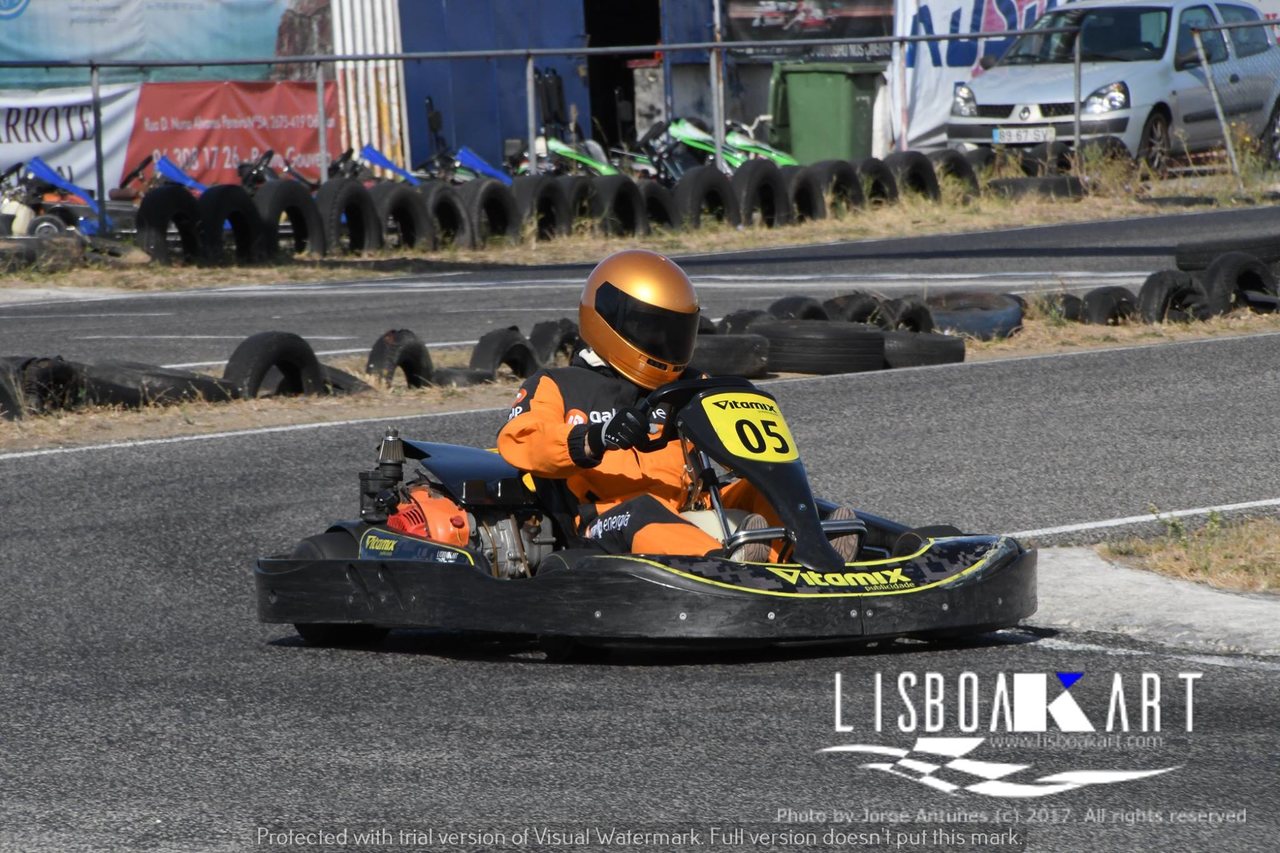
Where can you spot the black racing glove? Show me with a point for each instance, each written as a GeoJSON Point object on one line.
{"type": "Point", "coordinates": [624, 430]}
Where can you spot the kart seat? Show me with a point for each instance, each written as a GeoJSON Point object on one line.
{"type": "Point", "coordinates": [705, 520]}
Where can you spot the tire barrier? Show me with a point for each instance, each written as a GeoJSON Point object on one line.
{"type": "Point", "coordinates": [11, 403]}
{"type": "Point", "coordinates": [798, 308]}
{"type": "Point", "coordinates": [1171, 296]}
{"type": "Point", "coordinates": [402, 211]}
{"type": "Point", "coordinates": [348, 216]}
{"type": "Point", "coordinates": [1049, 186]}
{"type": "Point", "coordinates": [400, 351]}
{"type": "Point", "coordinates": [168, 208]}
{"type": "Point", "coordinates": [543, 204]}
{"type": "Point", "coordinates": [52, 384]}
{"type": "Point", "coordinates": [976, 314]}
{"type": "Point", "coordinates": [731, 355]}
{"type": "Point", "coordinates": [921, 349]}
{"type": "Point", "coordinates": [878, 184]}
{"type": "Point", "coordinates": [281, 218]}
{"type": "Point", "coordinates": [855, 307]}
{"type": "Point", "coordinates": [1231, 277]}
{"type": "Point", "coordinates": [505, 347]}
{"type": "Point", "coordinates": [737, 322]}
{"type": "Point", "coordinates": [449, 218]}
{"type": "Point", "coordinates": [1193, 257]}
{"type": "Point", "coordinates": [805, 192]}
{"type": "Point", "coordinates": [660, 205]}
{"type": "Point", "coordinates": [822, 347]}
{"type": "Point", "coordinates": [492, 211]}
{"type": "Point", "coordinates": [841, 186]}
{"type": "Point", "coordinates": [1108, 306]}
{"type": "Point", "coordinates": [288, 203]}
{"type": "Point", "coordinates": [1061, 306]}
{"type": "Point", "coordinates": [951, 164]}
{"type": "Point", "coordinates": [617, 208]}
{"type": "Point", "coordinates": [230, 228]}
{"type": "Point", "coordinates": [1046, 158]}
{"type": "Point", "coordinates": [340, 382]}
{"type": "Point", "coordinates": [761, 193]}
{"type": "Point", "coordinates": [914, 174]}
{"type": "Point", "coordinates": [286, 353]}
{"type": "Point", "coordinates": [552, 338]}
{"type": "Point", "coordinates": [577, 188]}
{"type": "Point", "coordinates": [133, 385]}
{"type": "Point", "coordinates": [907, 313]}
{"type": "Point", "coordinates": [705, 192]}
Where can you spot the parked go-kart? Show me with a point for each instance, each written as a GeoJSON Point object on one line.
{"type": "Point", "coordinates": [468, 546]}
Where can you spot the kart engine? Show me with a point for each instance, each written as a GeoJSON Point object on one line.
{"type": "Point", "coordinates": [514, 546]}
{"type": "Point", "coordinates": [514, 543]}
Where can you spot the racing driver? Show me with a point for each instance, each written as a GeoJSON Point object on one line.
{"type": "Point", "coordinates": [638, 317]}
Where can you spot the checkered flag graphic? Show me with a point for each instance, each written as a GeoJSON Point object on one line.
{"type": "Point", "coordinates": [942, 763]}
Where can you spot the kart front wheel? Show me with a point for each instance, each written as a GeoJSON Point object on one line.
{"type": "Point", "coordinates": [338, 545]}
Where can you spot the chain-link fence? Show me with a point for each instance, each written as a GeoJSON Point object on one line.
{"type": "Point", "coordinates": [1239, 65]}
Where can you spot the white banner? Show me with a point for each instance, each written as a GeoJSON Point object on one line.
{"type": "Point", "coordinates": [924, 76]}
{"type": "Point", "coordinates": [56, 125]}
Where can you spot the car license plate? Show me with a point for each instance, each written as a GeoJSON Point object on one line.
{"type": "Point", "coordinates": [1015, 135]}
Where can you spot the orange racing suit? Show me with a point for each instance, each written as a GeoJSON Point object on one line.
{"type": "Point", "coordinates": [628, 501]}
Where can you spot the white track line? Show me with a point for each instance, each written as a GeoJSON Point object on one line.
{"type": "Point", "coordinates": [199, 338]}
{"type": "Point", "coordinates": [209, 436]}
{"type": "Point", "coordinates": [79, 316]}
{"type": "Point", "coordinates": [1144, 519]}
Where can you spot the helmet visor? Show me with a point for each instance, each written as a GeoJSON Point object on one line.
{"type": "Point", "coordinates": [658, 332]}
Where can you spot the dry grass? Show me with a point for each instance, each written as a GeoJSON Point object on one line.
{"type": "Point", "coordinates": [1238, 555]}
{"type": "Point", "coordinates": [1044, 333]}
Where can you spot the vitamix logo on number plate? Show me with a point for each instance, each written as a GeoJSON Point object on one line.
{"type": "Point", "coordinates": [750, 426]}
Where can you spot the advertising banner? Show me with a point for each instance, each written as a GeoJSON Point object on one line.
{"type": "Point", "coordinates": [79, 30]}
{"type": "Point", "coordinates": [209, 128]}
{"type": "Point", "coordinates": [754, 20]}
{"type": "Point", "coordinates": [923, 80]}
{"type": "Point", "coordinates": [206, 128]}
{"type": "Point", "coordinates": [56, 125]}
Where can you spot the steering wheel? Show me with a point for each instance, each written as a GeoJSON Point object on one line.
{"type": "Point", "coordinates": [673, 397]}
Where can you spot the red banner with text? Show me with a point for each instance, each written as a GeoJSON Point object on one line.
{"type": "Point", "coordinates": [210, 128]}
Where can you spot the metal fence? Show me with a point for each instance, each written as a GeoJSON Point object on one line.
{"type": "Point", "coordinates": [1244, 84]}
{"type": "Point", "coordinates": [1220, 82]}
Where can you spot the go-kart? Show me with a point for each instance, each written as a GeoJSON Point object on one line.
{"type": "Point", "coordinates": [470, 544]}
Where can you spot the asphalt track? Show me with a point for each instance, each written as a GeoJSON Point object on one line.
{"type": "Point", "coordinates": [146, 709]}
{"type": "Point", "coordinates": [449, 305]}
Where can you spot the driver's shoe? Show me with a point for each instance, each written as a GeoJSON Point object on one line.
{"type": "Point", "coordinates": [846, 544]}
{"type": "Point", "coordinates": [752, 552]}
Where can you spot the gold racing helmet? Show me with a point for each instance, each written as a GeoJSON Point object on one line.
{"type": "Point", "coordinates": [639, 313]}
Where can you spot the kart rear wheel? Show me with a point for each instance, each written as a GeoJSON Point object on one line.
{"type": "Point", "coordinates": [338, 545]}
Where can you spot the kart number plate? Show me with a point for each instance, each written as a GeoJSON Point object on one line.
{"type": "Point", "coordinates": [750, 426]}
{"type": "Point", "coordinates": [1014, 135]}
